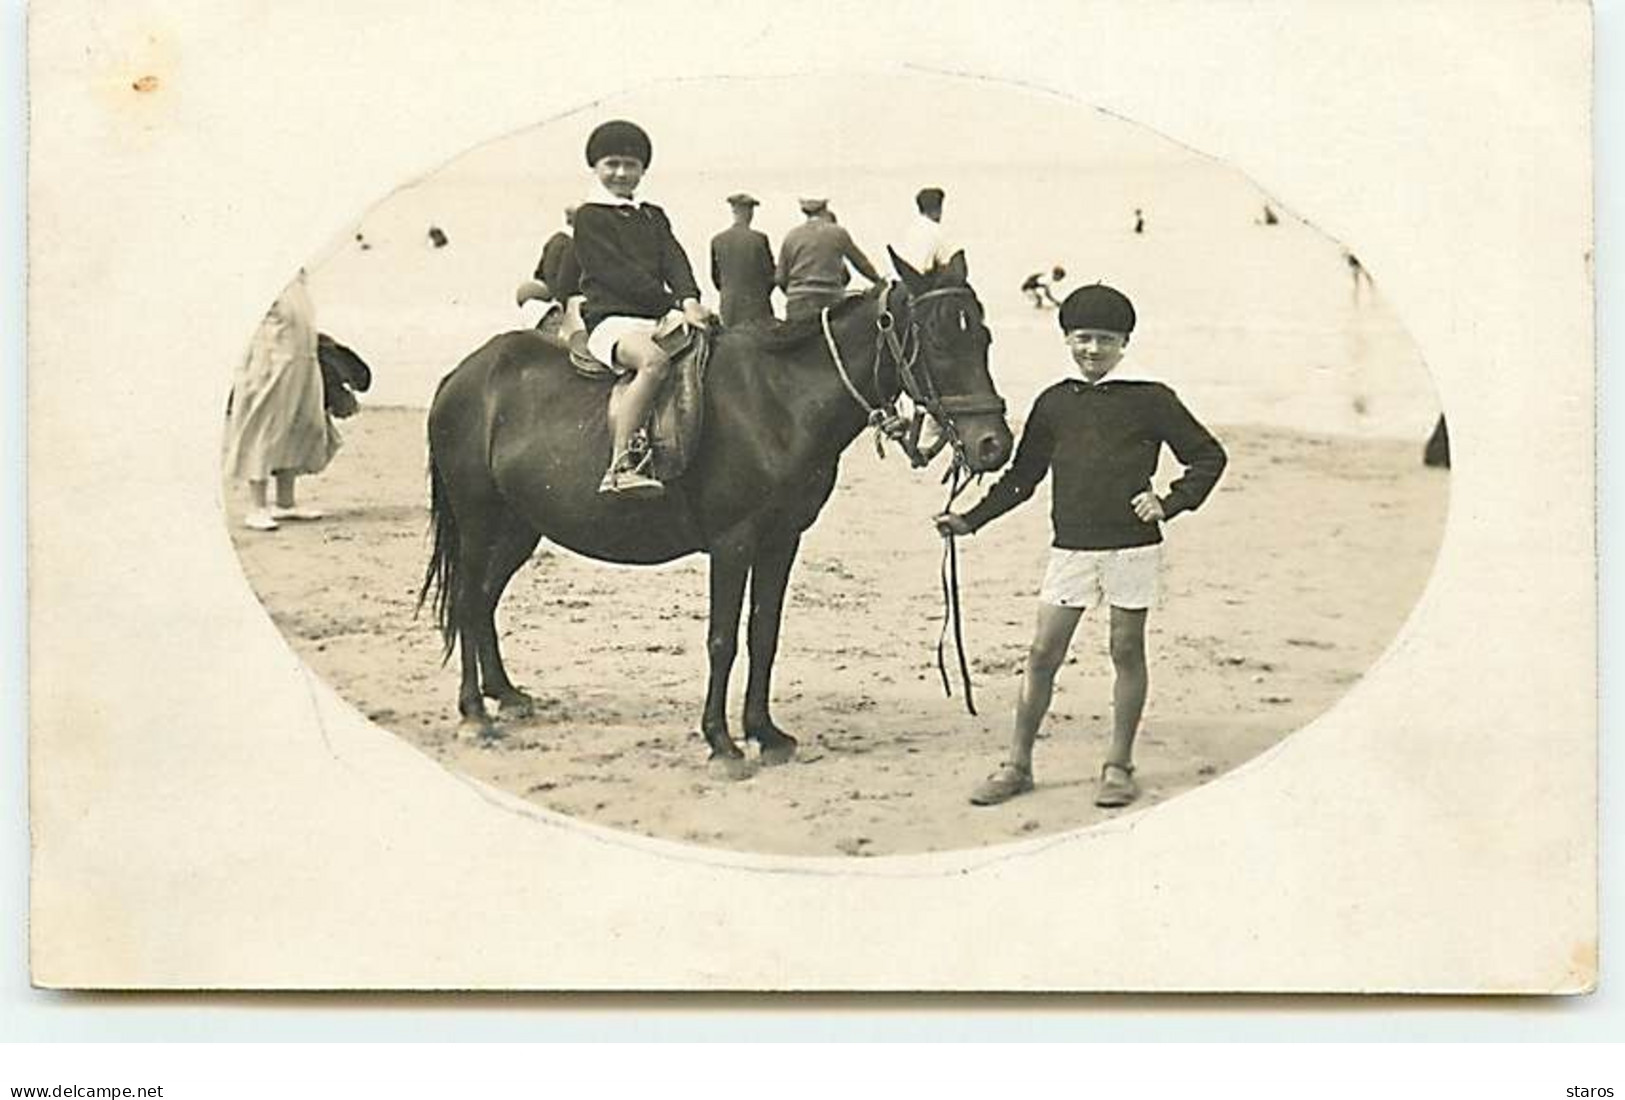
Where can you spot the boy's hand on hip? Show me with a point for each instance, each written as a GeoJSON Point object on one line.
{"type": "Point", "coordinates": [1148, 507]}
{"type": "Point", "coordinates": [951, 523]}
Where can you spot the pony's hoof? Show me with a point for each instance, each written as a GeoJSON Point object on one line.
{"type": "Point", "coordinates": [476, 731]}
{"type": "Point", "coordinates": [730, 768]}
{"type": "Point", "coordinates": [517, 706]}
{"type": "Point", "coordinates": [781, 751]}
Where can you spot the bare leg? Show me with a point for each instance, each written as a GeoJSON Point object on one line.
{"type": "Point", "coordinates": [1051, 637]}
{"type": "Point", "coordinates": [1131, 683]}
{"type": "Point", "coordinates": [769, 577]}
{"type": "Point", "coordinates": [644, 356]}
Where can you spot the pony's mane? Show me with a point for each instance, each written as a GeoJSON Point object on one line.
{"type": "Point", "coordinates": [783, 335]}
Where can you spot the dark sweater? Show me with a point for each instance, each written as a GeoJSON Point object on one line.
{"type": "Point", "coordinates": [813, 259]}
{"type": "Point", "coordinates": [631, 263]}
{"type": "Point", "coordinates": [1103, 441]}
{"type": "Point", "coordinates": [557, 267]}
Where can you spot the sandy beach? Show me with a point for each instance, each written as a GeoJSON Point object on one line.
{"type": "Point", "coordinates": [1278, 595]}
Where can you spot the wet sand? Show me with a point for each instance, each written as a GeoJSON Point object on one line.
{"type": "Point", "coordinates": [1277, 596]}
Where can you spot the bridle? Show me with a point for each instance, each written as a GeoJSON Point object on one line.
{"type": "Point", "coordinates": [915, 379]}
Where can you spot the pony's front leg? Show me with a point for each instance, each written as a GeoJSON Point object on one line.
{"type": "Point", "coordinates": [729, 568]}
{"type": "Point", "coordinates": [769, 579]}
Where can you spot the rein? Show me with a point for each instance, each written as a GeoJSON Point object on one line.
{"type": "Point", "coordinates": [928, 401]}
{"type": "Point", "coordinates": [878, 416]}
{"type": "Point", "coordinates": [959, 477]}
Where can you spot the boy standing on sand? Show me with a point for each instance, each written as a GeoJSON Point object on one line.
{"type": "Point", "coordinates": [1101, 435]}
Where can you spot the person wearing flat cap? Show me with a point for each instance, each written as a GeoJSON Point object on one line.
{"type": "Point", "coordinates": [742, 267]}
{"type": "Point", "coordinates": [1100, 434]}
{"type": "Point", "coordinates": [813, 262]}
{"type": "Point", "coordinates": [637, 284]}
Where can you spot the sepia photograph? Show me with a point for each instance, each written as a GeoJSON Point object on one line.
{"type": "Point", "coordinates": [692, 566]}
{"type": "Point", "coordinates": [851, 500]}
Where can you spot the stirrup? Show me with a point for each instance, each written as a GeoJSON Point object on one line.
{"type": "Point", "coordinates": [636, 459]}
{"type": "Point", "coordinates": [626, 476]}
{"type": "Point", "coordinates": [629, 483]}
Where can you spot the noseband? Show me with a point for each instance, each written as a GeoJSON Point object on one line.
{"type": "Point", "coordinates": [915, 379]}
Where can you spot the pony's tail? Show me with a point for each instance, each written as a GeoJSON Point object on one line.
{"type": "Point", "coordinates": [441, 575]}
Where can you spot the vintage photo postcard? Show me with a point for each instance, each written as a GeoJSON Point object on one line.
{"type": "Point", "coordinates": [813, 498]}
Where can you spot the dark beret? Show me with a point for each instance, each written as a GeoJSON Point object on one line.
{"type": "Point", "coordinates": [618, 138]}
{"type": "Point", "coordinates": [1097, 306]}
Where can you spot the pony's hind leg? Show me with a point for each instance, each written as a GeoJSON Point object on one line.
{"type": "Point", "coordinates": [472, 620]}
{"type": "Point", "coordinates": [511, 549]}
{"type": "Point", "coordinates": [476, 723]}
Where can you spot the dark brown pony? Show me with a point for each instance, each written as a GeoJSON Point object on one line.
{"type": "Point", "coordinates": [518, 441]}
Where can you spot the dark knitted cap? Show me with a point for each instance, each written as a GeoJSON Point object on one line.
{"type": "Point", "coordinates": [1097, 306]}
{"type": "Point", "coordinates": [618, 138]}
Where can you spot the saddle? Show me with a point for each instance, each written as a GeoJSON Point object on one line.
{"type": "Point", "coordinates": [672, 433]}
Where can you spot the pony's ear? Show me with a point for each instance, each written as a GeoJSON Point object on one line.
{"type": "Point", "coordinates": [912, 279]}
{"type": "Point", "coordinates": [958, 270]}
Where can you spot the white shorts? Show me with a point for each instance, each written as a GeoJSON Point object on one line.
{"type": "Point", "coordinates": [601, 340]}
{"type": "Point", "coordinates": [1125, 578]}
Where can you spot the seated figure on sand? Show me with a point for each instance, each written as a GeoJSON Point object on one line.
{"type": "Point", "coordinates": [1038, 290]}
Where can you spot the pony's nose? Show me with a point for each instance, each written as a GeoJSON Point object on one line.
{"type": "Point", "coordinates": [992, 451]}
